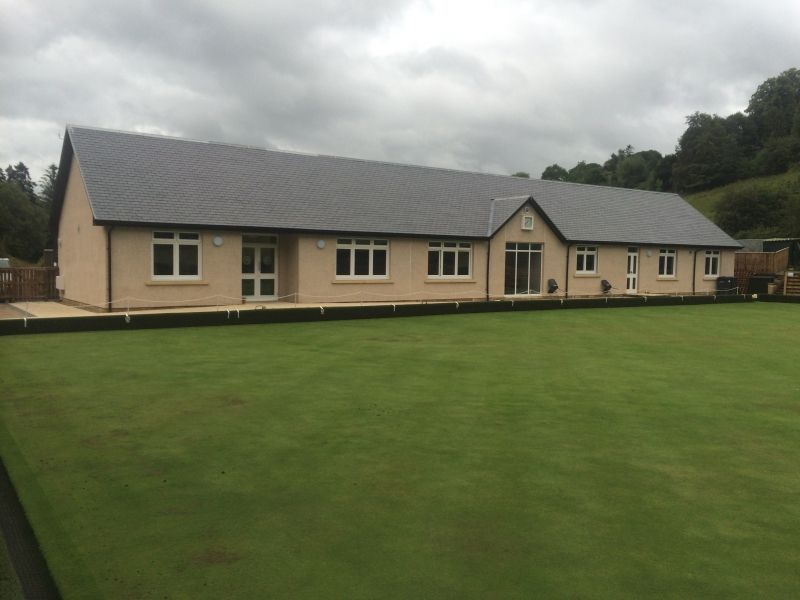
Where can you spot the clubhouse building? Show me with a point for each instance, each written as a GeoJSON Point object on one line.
{"type": "Point", "coordinates": [153, 221]}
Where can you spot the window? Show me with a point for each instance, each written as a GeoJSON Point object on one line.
{"type": "Point", "coordinates": [712, 263]}
{"type": "Point", "coordinates": [527, 222]}
{"type": "Point", "coordinates": [357, 258]}
{"type": "Point", "coordinates": [586, 260]}
{"type": "Point", "coordinates": [666, 263]}
{"type": "Point", "coordinates": [176, 255]}
{"type": "Point", "coordinates": [523, 269]}
{"type": "Point", "coordinates": [449, 259]}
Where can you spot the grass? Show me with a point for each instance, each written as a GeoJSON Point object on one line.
{"type": "Point", "coordinates": [706, 202]}
{"type": "Point", "coordinates": [578, 453]}
{"type": "Point", "coordinates": [10, 588]}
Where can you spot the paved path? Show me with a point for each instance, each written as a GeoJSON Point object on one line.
{"type": "Point", "coordinates": [57, 309]}
{"type": "Point", "coordinates": [9, 311]}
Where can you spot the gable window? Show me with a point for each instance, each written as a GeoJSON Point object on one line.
{"type": "Point", "coordinates": [586, 260]}
{"type": "Point", "coordinates": [712, 263]}
{"type": "Point", "coordinates": [523, 272]}
{"type": "Point", "coordinates": [666, 262]}
{"type": "Point", "coordinates": [527, 222]}
{"type": "Point", "coordinates": [360, 258]}
{"type": "Point", "coordinates": [176, 255]}
{"type": "Point", "coordinates": [449, 259]}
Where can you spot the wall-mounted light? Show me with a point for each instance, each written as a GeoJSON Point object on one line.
{"type": "Point", "coordinates": [320, 244]}
{"type": "Point", "coordinates": [649, 253]}
{"type": "Point", "coordinates": [218, 241]}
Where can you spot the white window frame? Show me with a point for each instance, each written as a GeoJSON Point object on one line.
{"type": "Point", "coordinates": [459, 248]}
{"type": "Point", "coordinates": [527, 222]}
{"type": "Point", "coordinates": [176, 242]}
{"type": "Point", "coordinates": [529, 248]}
{"type": "Point", "coordinates": [352, 245]}
{"type": "Point", "coordinates": [712, 259]}
{"type": "Point", "coordinates": [666, 253]}
{"type": "Point", "coordinates": [581, 252]}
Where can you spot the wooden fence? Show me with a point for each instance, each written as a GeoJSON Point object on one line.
{"type": "Point", "coordinates": [762, 262]}
{"type": "Point", "coordinates": [28, 283]}
{"type": "Point", "coordinates": [747, 264]}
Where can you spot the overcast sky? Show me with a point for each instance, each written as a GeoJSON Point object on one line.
{"type": "Point", "coordinates": [495, 86]}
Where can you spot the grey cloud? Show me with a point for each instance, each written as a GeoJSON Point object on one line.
{"type": "Point", "coordinates": [535, 83]}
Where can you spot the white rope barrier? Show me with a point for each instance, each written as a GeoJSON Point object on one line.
{"type": "Point", "coordinates": [217, 300]}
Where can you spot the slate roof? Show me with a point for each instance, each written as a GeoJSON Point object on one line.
{"type": "Point", "coordinates": [135, 178]}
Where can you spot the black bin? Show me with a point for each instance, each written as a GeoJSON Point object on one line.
{"type": "Point", "coordinates": [726, 286]}
{"type": "Point", "coordinates": [758, 284]}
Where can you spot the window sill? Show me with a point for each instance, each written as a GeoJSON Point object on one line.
{"type": "Point", "coordinates": [666, 278]}
{"type": "Point", "coordinates": [588, 275]}
{"type": "Point", "coordinates": [177, 282]}
{"type": "Point", "coordinates": [375, 280]}
{"type": "Point", "coordinates": [710, 277]}
{"type": "Point", "coordinates": [451, 280]}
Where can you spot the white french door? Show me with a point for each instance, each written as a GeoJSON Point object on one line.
{"type": "Point", "coordinates": [632, 279]}
{"type": "Point", "coordinates": [259, 267]}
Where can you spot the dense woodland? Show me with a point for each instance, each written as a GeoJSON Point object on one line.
{"type": "Point", "coordinates": [712, 152]}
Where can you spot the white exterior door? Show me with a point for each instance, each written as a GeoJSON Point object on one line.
{"type": "Point", "coordinates": [259, 267]}
{"type": "Point", "coordinates": [632, 280]}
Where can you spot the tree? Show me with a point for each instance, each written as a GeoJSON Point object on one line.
{"type": "Point", "coordinates": [707, 155]}
{"type": "Point", "coordinates": [555, 172]}
{"type": "Point", "coordinates": [589, 173]}
{"type": "Point", "coordinates": [743, 128]}
{"type": "Point", "coordinates": [522, 174]}
{"type": "Point", "coordinates": [774, 106]}
{"type": "Point", "coordinates": [663, 173]}
{"type": "Point", "coordinates": [47, 185]}
{"type": "Point", "coordinates": [23, 224]}
{"type": "Point", "coordinates": [20, 175]}
{"type": "Point", "coordinates": [777, 155]}
{"type": "Point", "coordinates": [632, 172]}
{"type": "Point", "coordinates": [611, 164]}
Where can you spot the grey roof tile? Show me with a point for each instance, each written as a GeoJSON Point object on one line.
{"type": "Point", "coordinates": [139, 178]}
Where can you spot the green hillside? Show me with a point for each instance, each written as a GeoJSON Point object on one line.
{"type": "Point", "coordinates": [707, 200]}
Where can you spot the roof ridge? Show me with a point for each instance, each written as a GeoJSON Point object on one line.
{"type": "Point", "coordinates": [176, 138]}
{"type": "Point", "coordinates": [608, 187]}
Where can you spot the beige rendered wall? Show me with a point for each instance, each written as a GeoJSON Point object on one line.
{"type": "Point", "coordinates": [287, 267]}
{"type": "Point", "coordinates": [81, 246]}
{"type": "Point", "coordinates": [131, 273]}
{"type": "Point", "coordinates": [407, 280]}
{"type": "Point", "coordinates": [553, 251]}
{"type": "Point", "coordinates": [612, 264]}
{"type": "Point", "coordinates": [726, 264]}
{"type": "Point", "coordinates": [316, 280]}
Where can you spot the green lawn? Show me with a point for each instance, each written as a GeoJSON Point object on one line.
{"type": "Point", "coordinates": [600, 453]}
{"type": "Point", "coordinates": [9, 586]}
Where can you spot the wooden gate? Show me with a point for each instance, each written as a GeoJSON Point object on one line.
{"type": "Point", "coordinates": [28, 283]}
